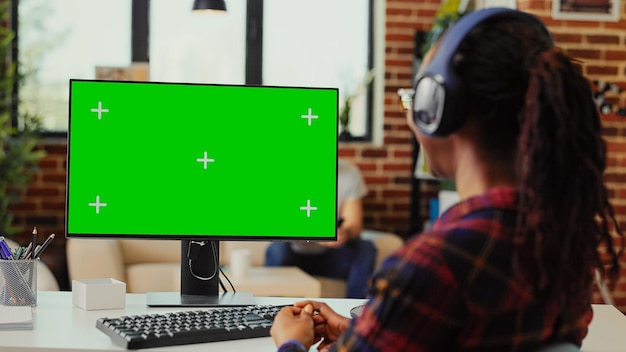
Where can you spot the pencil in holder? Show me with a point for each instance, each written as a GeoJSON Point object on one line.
{"type": "Point", "coordinates": [18, 282]}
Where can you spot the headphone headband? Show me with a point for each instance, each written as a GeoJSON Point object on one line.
{"type": "Point", "coordinates": [439, 96]}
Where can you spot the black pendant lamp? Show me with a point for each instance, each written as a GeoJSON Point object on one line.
{"type": "Point", "coordinates": [214, 5]}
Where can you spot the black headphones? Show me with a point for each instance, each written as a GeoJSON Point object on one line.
{"type": "Point", "coordinates": [439, 99]}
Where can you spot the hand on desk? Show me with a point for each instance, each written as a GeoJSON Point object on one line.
{"type": "Point", "coordinates": [300, 323]}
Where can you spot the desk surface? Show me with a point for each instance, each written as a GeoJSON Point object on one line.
{"type": "Point", "coordinates": [59, 326]}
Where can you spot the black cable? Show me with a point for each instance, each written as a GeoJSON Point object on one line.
{"type": "Point", "coordinates": [215, 263]}
{"type": "Point", "coordinates": [219, 279]}
{"type": "Point", "coordinates": [227, 279]}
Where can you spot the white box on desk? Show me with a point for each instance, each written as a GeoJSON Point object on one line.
{"type": "Point", "coordinates": [96, 294]}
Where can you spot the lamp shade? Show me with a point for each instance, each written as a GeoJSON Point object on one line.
{"type": "Point", "coordinates": [215, 5]}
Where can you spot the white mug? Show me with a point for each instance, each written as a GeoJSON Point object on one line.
{"type": "Point", "coordinates": [240, 263]}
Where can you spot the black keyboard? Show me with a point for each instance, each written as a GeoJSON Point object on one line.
{"type": "Point", "coordinates": [187, 327]}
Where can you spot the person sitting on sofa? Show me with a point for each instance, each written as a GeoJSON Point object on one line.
{"type": "Point", "coordinates": [350, 257]}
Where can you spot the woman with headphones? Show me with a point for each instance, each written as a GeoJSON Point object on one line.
{"type": "Point", "coordinates": [508, 116]}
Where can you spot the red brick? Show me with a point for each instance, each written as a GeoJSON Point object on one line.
{"type": "Point", "coordinates": [584, 53]}
{"type": "Point", "coordinates": [346, 153]}
{"type": "Point", "coordinates": [430, 13]}
{"type": "Point", "coordinates": [567, 37]}
{"type": "Point", "coordinates": [619, 209]}
{"type": "Point", "coordinates": [367, 166]}
{"type": "Point", "coordinates": [27, 205]}
{"type": "Point", "coordinates": [42, 191]}
{"type": "Point", "coordinates": [403, 180]}
{"type": "Point", "coordinates": [398, 38]}
{"type": "Point", "coordinates": [537, 5]}
{"type": "Point", "coordinates": [372, 180]}
{"type": "Point", "coordinates": [601, 70]}
{"type": "Point", "coordinates": [396, 193]}
{"type": "Point", "coordinates": [396, 219]}
{"type": "Point", "coordinates": [399, 206]}
{"type": "Point", "coordinates": [397, 167]}
{"type": "Point", "coordinates": [402, 153]}
{"type": "Point", "coordinates": [398, 24]}
{"type": "Point", "coordinates": [52, 205]}
{"type": "Point", "coordinates": [408, 51]}
{"type": "Point", "coordinates": [581, 24]}
{"type": "Point", "coordinates": [374, 153]}
{"type": "Point", "coordinates": [603, 39]}
{"type": "Point", "coordinates": [397, 11]}
{"type": "Point", "coordinates": [616, 146]}
{"type": "Point", "coordinates": [54, 178]}
{"type": "Point", "coordinates": [611, 162]}
{"type": "Point", "coordinates": [616, 55]}
{"type": "Point", "coordinates": [610, 131]}
{"type": "Point", "coordinates": [56, 149]}
{"type": "Point", "coordinates": [375, 207]}
{"type": "Point", "coordinates": [615, 177]}
{"type": "Point", "coordinates": [397, 140]}
{"type": "Point", "coordinates": [398, 63]}
{"type": "Point", "coordinates": [48, 163]}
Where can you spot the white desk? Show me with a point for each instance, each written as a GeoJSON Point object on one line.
{"type": "Point", "coordinates": [58, 326]}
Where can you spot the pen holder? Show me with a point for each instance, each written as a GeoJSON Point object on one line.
{"type": "Point", "coordinates": [18, 282]}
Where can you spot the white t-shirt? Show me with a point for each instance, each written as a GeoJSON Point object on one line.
{"type": "Point", "coordinates": [350, 183]}
{"type": "Point", "coordinates": [350, 186]}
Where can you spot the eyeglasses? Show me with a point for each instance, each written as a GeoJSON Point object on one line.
{"type": "Point", "coordinates": [406, 99]}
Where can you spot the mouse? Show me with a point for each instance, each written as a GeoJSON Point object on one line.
{"type": "Point", "coordinates": [356, 311]}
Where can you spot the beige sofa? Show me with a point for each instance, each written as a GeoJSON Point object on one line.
{"type": "Point", "coordinates": [154, 265]}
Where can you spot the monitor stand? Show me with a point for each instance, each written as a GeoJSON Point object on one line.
{"type": "Point", "coordinates": [199, 281]}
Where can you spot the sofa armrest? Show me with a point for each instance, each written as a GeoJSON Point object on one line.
{"type": "Point", "coordinates": [91, 258]}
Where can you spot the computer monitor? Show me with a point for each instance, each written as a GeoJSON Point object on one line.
{"type": "Point", "coordinates": [201, 163]}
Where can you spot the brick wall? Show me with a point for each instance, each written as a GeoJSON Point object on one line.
{"type": "Point", "coordinates": [387, 168]}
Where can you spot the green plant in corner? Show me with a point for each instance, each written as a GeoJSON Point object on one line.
{"type": "Point", "coordinates": [449, 12]}
{"type": "Point", "coordinates": [19, 156]}
{"type": "Point", "coordinates": [344, 118]}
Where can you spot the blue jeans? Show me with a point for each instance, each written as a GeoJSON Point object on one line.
{"type": "Point", "coordinates": [353, 262]}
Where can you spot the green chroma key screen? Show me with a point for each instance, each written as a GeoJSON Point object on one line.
{"type": "Point", "coordinates": [191, 160]}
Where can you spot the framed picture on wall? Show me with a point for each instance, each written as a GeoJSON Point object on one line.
{"type": "Point", "coordinates": [586, 10]}
{"type": "Point", "coordinates": [480, 4]}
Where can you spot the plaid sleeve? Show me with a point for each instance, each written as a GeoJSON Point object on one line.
{"type": "Point", "coordinates": [415, 304]}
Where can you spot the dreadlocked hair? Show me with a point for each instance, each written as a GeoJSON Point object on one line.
{"type": "Point", "coordinates": [533, 107]}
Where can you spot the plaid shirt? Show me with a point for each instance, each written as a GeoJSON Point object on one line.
{"type": "Point", "coordinates": [453, 289]}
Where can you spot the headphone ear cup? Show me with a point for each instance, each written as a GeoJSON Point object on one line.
{"type": "Point", "coordinates": [428, 104]}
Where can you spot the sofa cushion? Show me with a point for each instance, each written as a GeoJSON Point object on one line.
{"type": "Point", "coordinates": [154, 277]}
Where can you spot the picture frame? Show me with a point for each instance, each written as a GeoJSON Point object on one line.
{"type": "Point", "coordinates": [483, 4]}
{"type": "Point", "coordinates": [586, 10]}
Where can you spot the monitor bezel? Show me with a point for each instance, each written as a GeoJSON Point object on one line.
{"type": "Point", "coordinates": [195, 237]}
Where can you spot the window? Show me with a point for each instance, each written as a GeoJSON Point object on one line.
{"type": "Point", "coordinates": [63, 39]}
{"type": "Point", "coordinates": [322, 43]}
{"type": "Point", "coordinates": [197, 47]}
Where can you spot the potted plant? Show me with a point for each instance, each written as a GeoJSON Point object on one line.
{"type": "Point", "coordinates": [344, 119]}
{"type": "Point", "coordinates": [19, 156]}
